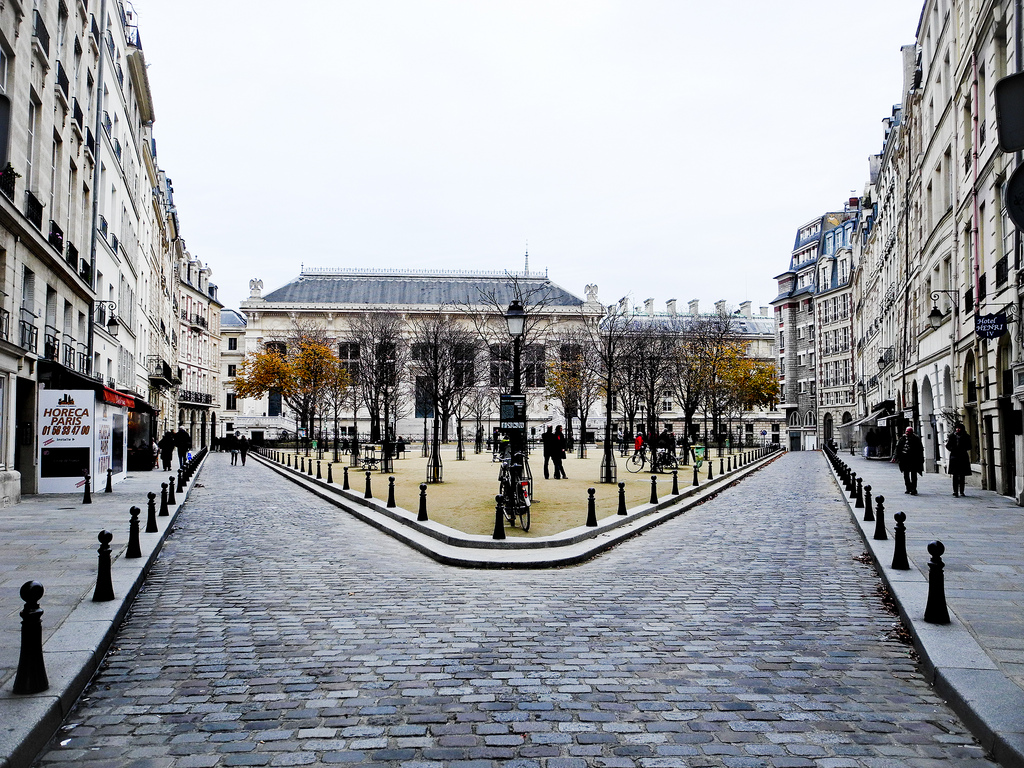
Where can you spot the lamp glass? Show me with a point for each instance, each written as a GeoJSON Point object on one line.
{"type": "Point", "coordinates": [516, 319]}
{"type": "Point", "coordinates": [113, 326]}
{"type": "Point", "coordinates": [935, 317]}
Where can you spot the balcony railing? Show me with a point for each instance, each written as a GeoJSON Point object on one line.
{"type": "Point", "coordinates": [8, 178]}
{"type": "Point", "coordinates": [51, 347]}
{"type": "Point", "coordinates": [39, 33]}
{"type": "Point", "coordinates": [29, 335]}
{"type": "Point", "coordinates": [120, 73]}
{"type": "Point", "coordinates": [94, 28]}
{"type": "Point", "coordinates": [77, 115]}
{"type": "Point", "coordinates": [117, 150]}
{"type": "Point", "coordinates": [113, 243]}
{"type": "Point", "coordinates": [159, 370]}
{"type": "Point", "coordinates": [103, 226]}
{"type": "Point", "coordinates": [90, 141]}
{"type": "Point", "coordinates": [83, 358]}
{"type": "Point", "coordinates": [200, 321]}
{"type": "Point", "coordinates": [34, 210]}
{"type": "Point", "coordinates": [62, 80]}
{"type": "Point", "coordinates": [68, 355]}
{"type": "Point", "coordinates": [107, 125]}
{"type": "Point", "coordinates": [85, 271]}
{"type": "Point", "coordinates": [188, 396]}
{"type": "Point", "coordinates": [56, 236]}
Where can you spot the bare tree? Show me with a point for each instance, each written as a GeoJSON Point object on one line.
{"type": "Point", "coordinates": [383, 357]}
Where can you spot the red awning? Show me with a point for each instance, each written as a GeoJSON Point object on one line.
{"type": "Point", "coordinates": [116, 398]}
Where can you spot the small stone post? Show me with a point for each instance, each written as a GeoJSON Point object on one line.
{"type": "Point", "coordinates": [110, 481]}
{"type": "Point", "coordinates": [675, 482]}
{"type": "Point", "coordinates": [860, 494]}
{"type": "Point", "coordinates": [696, 482]}
{"type": "Point", "coordinates": [880, 534]}
{"type": "Point", "coordinates": [31, 676]}
{"type": "Point", "coordinates": [330, 477]}
{"type": "Point", "coordinates": [344, 485]}
{"type": "Point", "coordinates": [134, 550]}
{"type": "Point", "coordinates": [422, 516]}
{"type": "Point", "coordinates": [87, 497]}
{"type": "Point", "coordinates": [499, 521]}
{"type": "Point", "coordinates": [104, 587]}
{"type": "Point", "coordinates": [935, 610]}
{"type": "Point", "coordinates": [591, 510]}
{"type": "Point", "coordinates": [318, 475]}
{"type": "Point", "coordinates": [151, 519]}
{"type": "Point", "coordinates": [622, 499]}
{"type": "Point", "coordinates": [899, 554]}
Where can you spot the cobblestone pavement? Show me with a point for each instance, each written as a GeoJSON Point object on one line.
{"type": "Point", "coordinates": [274, 630]}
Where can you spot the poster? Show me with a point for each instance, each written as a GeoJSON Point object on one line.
{"type": "Point", "coordinates": [65, 438]}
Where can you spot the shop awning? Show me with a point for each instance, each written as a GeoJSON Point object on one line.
{"type": "Point", "coordinates": [114, 397]}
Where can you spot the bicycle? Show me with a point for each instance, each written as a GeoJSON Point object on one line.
{"type": "Point", "coordinates": [663, 461]}
{"type": "Point", "coordinates": [514, 491]}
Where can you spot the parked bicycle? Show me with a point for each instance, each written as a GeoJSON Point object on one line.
{"type": "Point", "coordinates": [514, 489]}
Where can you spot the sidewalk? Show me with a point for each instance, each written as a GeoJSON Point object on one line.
{"type": "Point", "coordinates": [52, 539]}
{"type": "Point", "coordinates": [976, 662]}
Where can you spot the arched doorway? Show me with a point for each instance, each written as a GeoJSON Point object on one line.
{"type": "Point", "coordinates": [826, 426]}
{"type": "Point", "coordinates": [929, 428]}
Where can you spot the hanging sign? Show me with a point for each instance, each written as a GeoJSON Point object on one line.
{"type": "Point", "coordinates": [990, 326]}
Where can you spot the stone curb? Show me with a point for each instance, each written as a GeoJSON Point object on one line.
{"type": "Point", "coordinates": [74, 651]}
{"type": "Point", "coordinates": [991, 705]}
{"type": "Point", "coordinates": [452, 547]}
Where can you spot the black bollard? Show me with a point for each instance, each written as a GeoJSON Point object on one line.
{"type": "Point", "coordinates": [899, 554]}
{"type": "Point", "coordinates": [729, 464]}
{"type": "Point", "coordinates": [853, 485]}
{"type": "Point", "coordinates": [330, 477]}
{"type": "Point", "coordinates": [711, 474]}
{"type": "Point", "coordinates": [591, 510]}
{"type": "Point", "coordinates": [860, 494]}
{"type": "Point", "coordinates": [675, 482]}
{"type": "Point", "coordinates": [110, 482]}
{"type": "Point", "coordinates": [869, 516]}
{"type": "Point", "coordinates": [499, 519]}
{"type": "Point", "coordinates": [309, 470]}
{"type": "Point", "coordinates": [344, 485]}
{"type": "Point", "coordinates": [318, 475]}
{"type": "Point", "coordinates": [935, 610]}
{"type": "Point", "coordinates": [289, 461]}
{"type": "Point", "coordinates": [422, 516]}
{"type": "Point", "coordinates": [654, 489]}
{"type": "Point", "coordinates": [880, 534]}
{"type": "Point", "coordinates": [391, 493]}
{"type": "Point", "coordinates": [367, 494]}
{"type": "Point", "coordinates": [302, 466]}
{"type": "Point", "coordinates": [31, 676]}
{"type": "Point", "coordinates": [170, 491]}
{"type": "Point", "coordinates": [134, 550]}
{"type": "Point", "coordinates": [696, 482]}
{"type": "Point", "coordinates": [721, 467]}
{"type": "Point", "coordinates": [104, 587]}
{"type": "Point", "coordinates": [87, 498]}
{"type": "Point", "coordinates": [622, 498]}
{"type": "Point", "coordinates": [164, 511]}
{"type": "Point", "coordinates": [151, 519]}
{"type": "Point", "coordinates": [181, 481]}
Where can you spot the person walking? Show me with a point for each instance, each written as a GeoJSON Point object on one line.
{"type": "Point", "coordinates": [547, 441]}
{"type": "Point", "coordinates": [231, 446]}
{"type": "Point", "coordinates": [183, 442]}
{"type": "Point", "coordinates": [243, 448]}
{"type": "Point", "coordinates": [166, 446]}
{"type": "Point", "coordinates": [558, 453]}
{"type": "Point", "coordinates": [959, 466]}
{"type": "Point", "coordinates": [910, 455]}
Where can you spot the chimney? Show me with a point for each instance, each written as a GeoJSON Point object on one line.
{"type": "Point", "coordinates": [649, 307]}
{"type": "Point", "coordinates": [624, 305]}
{"type": "Point", "coordinates": [720, 307]}
{"type": "Point", "coordinates": [766, 311]}
{"type": "Point", "coordinates": [745, 309]}
{"type": "Point", "coordinates": [670, 307]}
{"type": "Point", "coordinates": [694, 306]}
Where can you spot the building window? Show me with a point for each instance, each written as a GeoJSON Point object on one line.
{"type": "Point", "coordinates": [232, 402]}
{"type": "Point", "coordinates": [274, 403]}
{"type": "Point", "coordinates": [533, 366]}
{"type": "Point", "coordinates": [232, 342]}
{"type": "Point", "coordinates": [231, 371]}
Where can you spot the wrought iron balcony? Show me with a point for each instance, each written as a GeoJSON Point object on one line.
{"type": "Point", "coordinates": [120, 73]}
{"type": "Point", "coordinates": [90, 141]}
{"type": "Point", "coordinates": [56, 237]}
{"type": "Point", "coordinates": [113, 243]}
{"type": "Point", "coordinates": [103, 226]}
{"type": "Point", "coordinates": [62, 80]}
{"type": "Point", "coordinates": [85, 271]}
{"type": "Point", "coordinates": [68, 353]}
{"type": "Point", "coordinates": [160, 372]}
{"type": "Point", "coordinates": [34, 210]}
{"type": "Point", "coordinates": [8, 178]}
{"type": "Point", "coordinates": [51, 347]}
{"type": "Point", "coordinates": [188, 396]}
{"type": "Point", "coordinates": [39, 33]}
{"type": "Point", "coordinates": [107, 125]}
{"type": "Point", "coordinates": [29, 335]}
{"type": "Point", "coordinates": [77, 115]}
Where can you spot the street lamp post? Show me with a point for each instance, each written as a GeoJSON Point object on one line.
{"type": "Point", "coordinates": [515, 318]}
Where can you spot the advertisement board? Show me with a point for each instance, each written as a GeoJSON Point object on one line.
{"type": "Point", "coordinates": [66, 424]}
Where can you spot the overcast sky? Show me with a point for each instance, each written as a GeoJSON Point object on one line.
{"type": "Point", "coordinates": [662, 149]}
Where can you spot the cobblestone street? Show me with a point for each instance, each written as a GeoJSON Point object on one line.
{"type": "Point", "coordinates": [276, 630]}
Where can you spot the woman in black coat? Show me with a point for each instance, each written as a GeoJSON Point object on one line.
{"type": "Point", "coordinates": [959, 447]}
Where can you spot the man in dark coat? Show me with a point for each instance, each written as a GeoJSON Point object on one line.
{"type": "Point", "coordinates": [910, 455]}
{"type": "Point", "coordinates": [183, 442]}
{"type": "Point", "coordinates": [547, 441]}
{"type": "Point", "coordinates": [959, 466]}
{"type": "Point", "coordinates": [166, 446]}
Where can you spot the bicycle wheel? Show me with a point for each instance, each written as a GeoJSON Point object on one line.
{"type": "Point", "coordinates": [508, 503]}
{"type": "Point", "coordinates": [635, 463]}
{"type": "Point", "coordinates": [668, 463]}
{"type": "Point", "coordinates": [524, 518]}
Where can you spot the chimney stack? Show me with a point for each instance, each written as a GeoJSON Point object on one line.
{"type": "Point", "coordinates": [649, 307]}
{"type": "Point", "coordinates": [720, 307]}
{"type": "Point", "coordinates": [670, 306]}
{"type": "Point", "coordinates": [745, 309]}
{"type": "Point", "coordinates": [694, 306]}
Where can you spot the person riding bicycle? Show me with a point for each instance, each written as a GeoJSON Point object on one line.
{"type": "Point", "coordinates": [638, 444]}
{"type": "Point", "coordinates": [668, 441]}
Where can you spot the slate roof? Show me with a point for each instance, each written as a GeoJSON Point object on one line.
{"type": "Point", "coordinates": [230, 319]}
{"type": "Point", "coordinates": [412, 288]}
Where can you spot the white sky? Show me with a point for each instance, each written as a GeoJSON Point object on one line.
{"type": "Point", "coordinates": [657, 148]}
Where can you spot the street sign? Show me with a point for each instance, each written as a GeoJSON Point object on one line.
{"type": "Point", "coordinates": [990, 326]}
{"type": "Point", "coordinates": [513, 412]}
